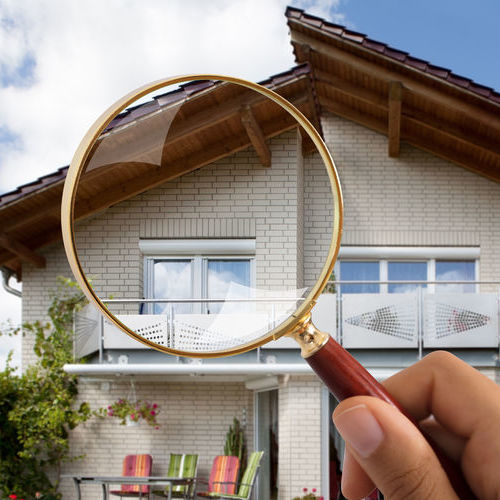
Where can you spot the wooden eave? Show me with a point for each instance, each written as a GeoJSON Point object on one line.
{"type": "Point", "coordinates": [215, 121]}
{"type": "Point", "coordinates": [406, 99]}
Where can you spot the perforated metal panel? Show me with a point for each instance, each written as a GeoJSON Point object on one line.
{"type": "Point", "coordinates": [380, 320]}
{"type": "Point", "coordinates": [461, 320]}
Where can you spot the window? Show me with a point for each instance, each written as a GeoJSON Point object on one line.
{"type": "Point", "coordinates": [410, 264]}
{"type": "Point", "coordinates": [206, 276]}
{"type": "Point", "coordinates": [195, 278]}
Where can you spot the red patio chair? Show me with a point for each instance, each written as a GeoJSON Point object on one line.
{"type": "Point", "coordinates": [222, 476]}
{"type": "Point", "coordinates": [135, 465]}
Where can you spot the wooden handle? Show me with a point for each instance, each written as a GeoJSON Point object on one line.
{"type": "Point", "coordinates": [345, 377]}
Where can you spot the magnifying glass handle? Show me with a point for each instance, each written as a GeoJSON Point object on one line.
{"type": "Point", "coordinates": [345, 377]}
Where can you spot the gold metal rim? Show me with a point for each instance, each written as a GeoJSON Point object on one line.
{"type": "Point", "coordinates": [76, 168]}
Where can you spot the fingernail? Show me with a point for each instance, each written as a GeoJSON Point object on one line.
{"type": "Point", "coordinates": [360, 429]}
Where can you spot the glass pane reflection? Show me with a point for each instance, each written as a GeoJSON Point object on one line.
{"type": "Point", "coordinates": [406, 271]}
{"type": "Point", "coordinates": [360, 271]}
{"type": "Point", "coordinates": [172, 280]}
{"type": "Point", "coordinates": [220, 275]}
{"type": "Point", "coordinates": [455, 271]}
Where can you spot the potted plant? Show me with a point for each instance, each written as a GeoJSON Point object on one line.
{"type": "Point", "coordinates": [132, 412]}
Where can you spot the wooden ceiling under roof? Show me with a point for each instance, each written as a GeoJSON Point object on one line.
{"type": "Point", "coordinates": [141, 150]}
{"type": "Point", "coordinates": [395, 94]}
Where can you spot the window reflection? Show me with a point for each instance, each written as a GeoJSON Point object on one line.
{"type": "Point", "coordinates": [172, 280]}
{"type": "Point", "coordinates": [220, 275]}
{"type": "Point", "coordinates": [455, 271]}
{"type": "Point", "coordinates": [360, 271]}
{"type": "Point", "coordinates": [406, 271]}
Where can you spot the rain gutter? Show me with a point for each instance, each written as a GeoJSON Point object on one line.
{"type": "Point", "coordinates": [6, 275]}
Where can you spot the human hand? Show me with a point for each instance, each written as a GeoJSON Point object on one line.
{"type": "Point", "coordinates": [453, 403]}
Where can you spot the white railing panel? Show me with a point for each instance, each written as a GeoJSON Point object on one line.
{"type": "Point", "coordinates": [87, 331]}
{"type": "Point", "coordinates": [461, 320]}
{"type": "Point", "coordinates": [379, 320]}
{"type": "Point", "coordinates": [150, 326]}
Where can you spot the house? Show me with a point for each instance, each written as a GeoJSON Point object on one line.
{"type": "Point", "coordinates": [416, 147]}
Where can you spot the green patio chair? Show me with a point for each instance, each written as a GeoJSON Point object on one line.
{"type": "Point", "coordinates": [247, 480]}
{"type": "Point", "coordinates": [181, 466]}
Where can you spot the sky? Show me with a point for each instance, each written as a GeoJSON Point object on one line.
{"type": "Point", "coordinates": [63, 62]}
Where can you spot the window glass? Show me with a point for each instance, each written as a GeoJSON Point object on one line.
{"type": "Point", "coordinates": [220, 275]}
{"type": "Point", "coordinates": [360, 271]}
{"type": "Point", "coordinates": [406, 271]}
{"type": "Point", "coordinates": [455, 270]}
{"type": "Point", "coordinates": [172, 279]}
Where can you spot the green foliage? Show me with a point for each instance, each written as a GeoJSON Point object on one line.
{"type": "Point", "coordinates": [37, 407]}
{"type": "Point", "coordinates": [330, 287]}
{"type": "Point", "coordinates": [235, 443]}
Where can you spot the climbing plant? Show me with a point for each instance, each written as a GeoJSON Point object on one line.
{"type": "Point", "coordinates": [38, 408]}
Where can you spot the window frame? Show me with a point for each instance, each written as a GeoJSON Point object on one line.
{"type": "Point", "coordinates": [220, 249]}
{"type": "Point", "coordinates": [430, 255]}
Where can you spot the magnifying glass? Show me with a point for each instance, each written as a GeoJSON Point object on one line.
{"type": "Point", "coordinates": [202, 216]}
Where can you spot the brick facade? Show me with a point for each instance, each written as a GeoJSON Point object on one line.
{"type": "Point", "coordinates": [416, 199]}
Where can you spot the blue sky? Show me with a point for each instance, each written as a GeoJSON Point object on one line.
{"type": "Point", "coordinates": [62, 62]}
{"type": "Point", "coordinates": [455, 34]}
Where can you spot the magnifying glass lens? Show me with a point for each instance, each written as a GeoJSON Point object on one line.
{"type": "Point", "coordinates": [203, 216]}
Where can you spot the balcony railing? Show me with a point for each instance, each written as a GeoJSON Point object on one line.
{"type": "Point", "coordinates": [418, 319]}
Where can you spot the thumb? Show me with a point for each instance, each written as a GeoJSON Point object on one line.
{"type": "Point", "coordinates": [391, 450]}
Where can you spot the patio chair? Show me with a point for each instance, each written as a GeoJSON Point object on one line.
{"type": "Point", "coordinates": [181, 466]}
{"type": "Point", "coordinates": [135, 465]}
{"type": "Point", "coordinates": [247, 481]}
{"type": "Point", "coordinates": [223, 476]}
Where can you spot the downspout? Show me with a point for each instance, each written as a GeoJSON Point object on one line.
{"type": "Point", "coordinates": [6, 275]}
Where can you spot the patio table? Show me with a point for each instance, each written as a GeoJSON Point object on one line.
{"type": "Point", "coordinates": [106, 481]}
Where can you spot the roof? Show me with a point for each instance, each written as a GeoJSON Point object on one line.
{"type": "Point", "coordinates": [398, 95]}
{"type": "Point", "coordinates": [400, 56]}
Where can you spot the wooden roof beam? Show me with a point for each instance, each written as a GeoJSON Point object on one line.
{"type": "Point", "coordinates": [255, 135]}
{"type": "Point", "coordinates": [394, 118]}
{"type": "Point", "coordinates": [21, 250]}
{"type": "Point", "coordinates": [346, 112]}
{"type": "Point", "coordinates": [413, 116]}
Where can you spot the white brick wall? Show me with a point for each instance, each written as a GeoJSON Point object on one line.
{"type": "Point", "coordinates": [299, 402]}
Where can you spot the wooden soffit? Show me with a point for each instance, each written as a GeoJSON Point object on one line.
{"type": "Point", "coordinates": [399, 96]}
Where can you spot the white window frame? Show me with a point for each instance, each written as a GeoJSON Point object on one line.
{"type": "Point", "coordinates": [199, 252]}
{"type": "Point", "coordinates": [384, 255]}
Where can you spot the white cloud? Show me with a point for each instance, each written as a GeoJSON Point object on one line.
{"type": "Point", "coordinates": [88, 54]}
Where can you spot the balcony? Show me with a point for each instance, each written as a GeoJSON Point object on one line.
{"type": "Point", "coordinates": [419, 320]}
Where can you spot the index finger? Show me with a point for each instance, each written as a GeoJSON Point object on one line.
{"type": "Point", "coordinates": [446, 387]}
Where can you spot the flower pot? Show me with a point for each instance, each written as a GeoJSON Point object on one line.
{"type": "Point", "coordinates": [131, 423]}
